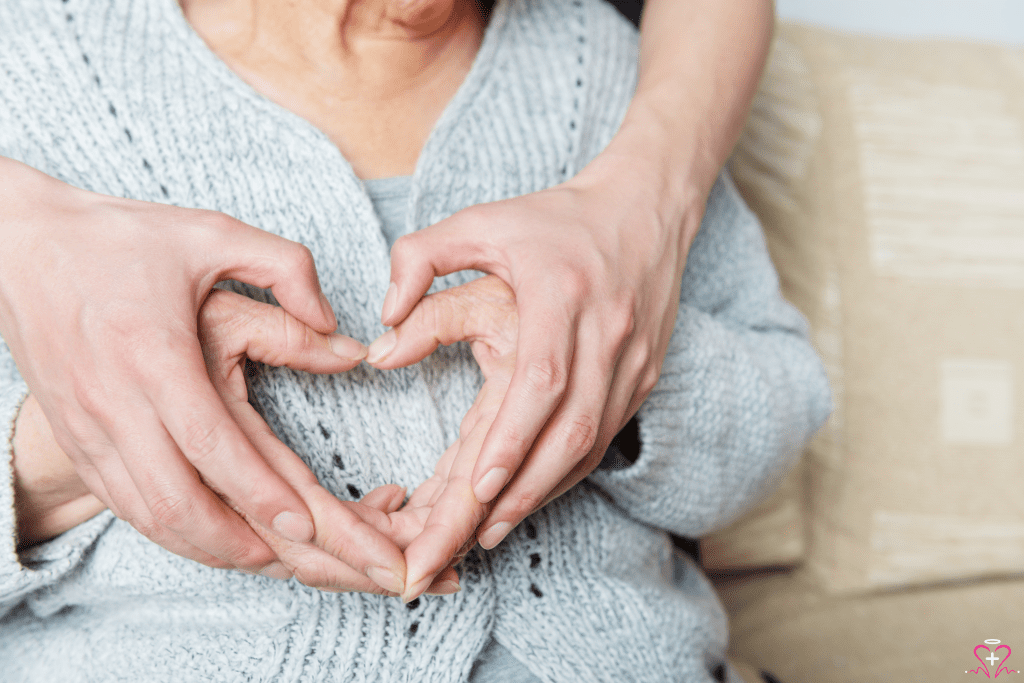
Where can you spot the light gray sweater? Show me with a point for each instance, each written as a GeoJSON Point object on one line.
{"type": "Point", "coordinates": [121, 97]}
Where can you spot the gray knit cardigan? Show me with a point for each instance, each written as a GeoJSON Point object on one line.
{"type": "Point", "coordinates": [121, 97]}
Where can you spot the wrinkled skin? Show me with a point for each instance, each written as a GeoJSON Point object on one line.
{"type": "Point", "coordinates": [436, 524]}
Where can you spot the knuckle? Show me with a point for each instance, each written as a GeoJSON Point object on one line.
{"type": "Point", "coordinates": [403, 248]}
{"type": "Point", "coordinates": [545, 376]}
{"type": "Point", "coordinates": [172, 510]}
{"type": "Point", "coordinates": [575, 287]}
{"type": "Point", "coordinates": [249, 557]}
{"type": "Point", "coordinates": [91, 396]}
{"type": "Point", "coordinates": [200, 440]}
{"type": "Point", "coordinates": [311, 571]}
{"type": "Point", "coordinates": [514, 442]}
{"type": "Point", "coordinates": [216, 221]}
{"type": "Point", "coordinates": [524, 505]}
{"type": "Point", "coordinates": [649, 381]}
{"type": "Point", "coordinates": [215, 308]}
{"type": "Point", "coordinates": [148, 527]}
{"type": "Point", "coordinates": [623, 326]}
{"type": "Point", "coordinates": [579, 435]}
{"type": "Point", "coordinates": [642, 361]}
{"type": "Point", "coordinates": [300, 258]}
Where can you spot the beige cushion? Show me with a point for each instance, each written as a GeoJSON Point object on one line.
{"type": "Point", "coordinates": [771, 166]}
{"type": "Point", "coordinates": [784, 625]}
{"type": "Point", "coordinates": [890, 176]}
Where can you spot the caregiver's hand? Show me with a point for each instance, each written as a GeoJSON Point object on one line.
{"type": "Point", "coordinates": [596, 274]}
{"type": "Point", "coordinates": [596, 262]}
{"type": "Point", "coordinates": [98, 303]}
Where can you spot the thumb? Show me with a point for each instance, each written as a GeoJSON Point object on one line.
{"type": "Point", "coordinates": [238, 251]}
{"type": "Point", "coordinates": [456, 243]}
{"type": "Point", "coordinates": [269, 334]}
{"type": "Point", "coordinates": [465, 313]}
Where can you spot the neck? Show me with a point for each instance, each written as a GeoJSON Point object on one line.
{"type": "Point", "coordinates": [359, 70]}
{"type": "Point", "coordinates": [380, 40]}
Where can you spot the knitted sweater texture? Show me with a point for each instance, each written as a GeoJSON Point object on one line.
{"type": "Point", "coordinates": [121, 97]}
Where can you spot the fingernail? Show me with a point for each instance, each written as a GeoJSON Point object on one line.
{"type": "Point", "coordinates": [328, 311]}
{"type": "Point", "coordinates": [494, 535]}
{"type": "Point", "coordinates": [386, 579]}
{"type": "Point", "coordinates": [347, 347]}
{"type": "Point", "coordinates": [491, 484]}
{"type": "Point", "coordinates": [293, 527]}
{"type": "Point", "coordinates": [276, 570]}
{"type": "Point", "coordinates": [445, 588]}
{"type": "Point", "coordinates": [381, 347]}
{"type": "Point", "coordinates": [390, 301]}
{"type": "Point", "coordinates": [416, 589]}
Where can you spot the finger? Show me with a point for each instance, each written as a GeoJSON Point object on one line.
{"type": "Point", "coordinates": [241, 252]}
{"type": "Point", "coordinates": [130, 506]}
{"type": "Point", "coordinates": [215, 446]}
{"type": "Point", "coordinates": [318, 569]}
{"type": "Point", "coordinates": [94, 482]}
{"type": "Point", "coordinates": [571, 439]}
{"type": "Point", "coordinates": [387, 498]}
{"type": "Point", "coordinates": [174, 501]}
{"type": "Point", "coordinates": [353, 533]}
{"type": "Point", "coordinates": [452, 522]}
{"type": "Point", "coordinates": [445, 583]}
{"type": "Point", "coordinates": [621, 407]}
{"type": "Point", "coordinates": [536, 390]}
{"type": "Point", "coordinates": [454, 244]}
{"type": "Point", "coordinates": [444, 464]}
{"type": "Point", "coordinates": [464, 313]}
{"type": "Point", "coordinates": [269, 334]}
{"type": "Point", "coordinates": [423, 496]}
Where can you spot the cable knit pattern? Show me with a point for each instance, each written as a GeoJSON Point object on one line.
{"type": "Point", "coordinates": [121, 97]}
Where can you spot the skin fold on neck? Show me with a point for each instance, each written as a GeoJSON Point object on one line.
{"type": "Point", "coordinates": [373, 75]}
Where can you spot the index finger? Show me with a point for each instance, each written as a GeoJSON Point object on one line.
{"type": "Point", "coordinates": [452, 522]}
{"type": "Point", "coordinates": [538, 386]}
{"type": "Point", "coordinates": [198, 421]}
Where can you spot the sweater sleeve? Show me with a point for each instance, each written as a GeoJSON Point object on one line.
{"type": "Point", "coordinates": [740, 392]}
{"type": "Point", "coordinates": [45, 564]}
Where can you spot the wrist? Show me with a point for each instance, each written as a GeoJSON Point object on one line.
{"type": "Point", "coordinates": [669, 182]}
{"type": "Point", "coordinates": [49, 496]}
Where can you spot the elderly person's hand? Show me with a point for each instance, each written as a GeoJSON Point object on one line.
{"type": "Point", "coordinates": [98, 303]}
{"type": "Point", "coordinates": [483, 313]}
{"type": "Point", "coordinates": [353, 542]}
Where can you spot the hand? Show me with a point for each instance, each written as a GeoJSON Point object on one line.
{"type": "Point", "coordinates": [354, 547]}
{"type": "Point", "coordinates": [596, 273]}
{"type": "Point", "coordinates": [482, 312]}
{"type": "Point", "coordinates": [49, 497]}
{"type": "Point", "coordinates": [354, 542]}
{"type": "Point", "coordinates": [99, 299]}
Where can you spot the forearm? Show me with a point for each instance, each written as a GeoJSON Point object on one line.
{"type": "Point", "coordinates": [25, 570]}
{"type": "Point", "coordinates": [727, 419]}
{"type": "Point", "coordinates": [700, 61]}
{"type": "Point", "coordinates": [741, 388]}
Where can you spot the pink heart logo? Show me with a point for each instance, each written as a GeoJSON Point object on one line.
{"type": "Point", "coordinates": [994, 659]}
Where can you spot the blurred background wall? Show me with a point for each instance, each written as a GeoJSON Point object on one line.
{"type": "Point", "coordinates": [999, 21]}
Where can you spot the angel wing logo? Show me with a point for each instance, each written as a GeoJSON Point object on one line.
{"type": "Point", "coordinates": [995, 655]}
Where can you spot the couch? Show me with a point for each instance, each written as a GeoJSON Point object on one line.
{"type": "Point", "coordinates": [889, 175]}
